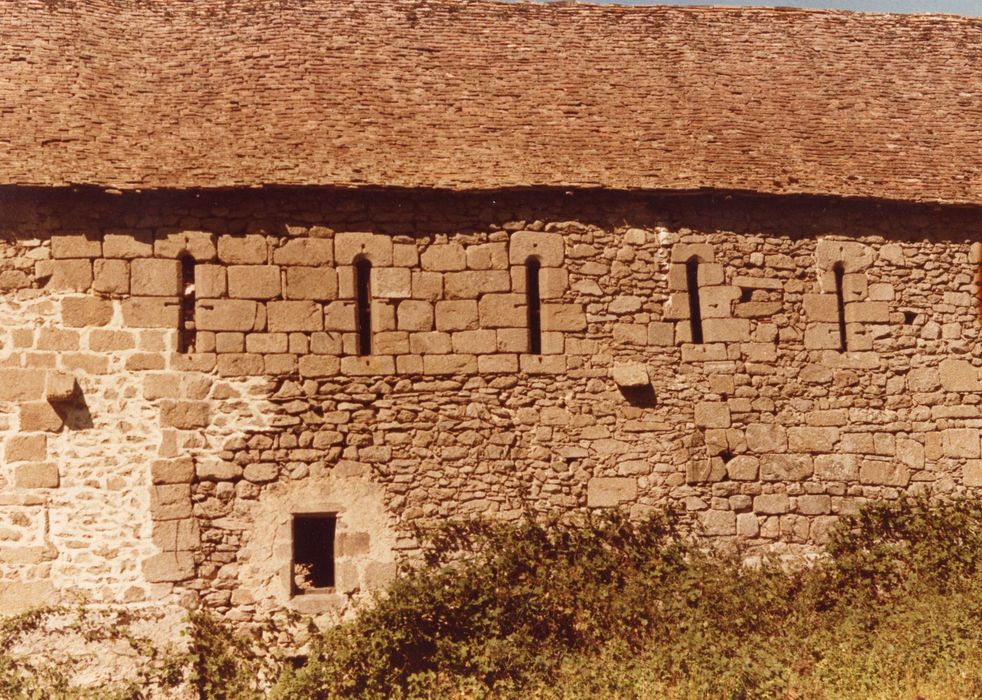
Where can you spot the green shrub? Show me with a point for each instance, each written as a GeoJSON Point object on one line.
{"type": "Point", "coordinates": [604, 606]}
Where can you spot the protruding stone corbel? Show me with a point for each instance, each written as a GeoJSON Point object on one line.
{"type": "Point", "coordinates": [60, 387]}
{"type": "Point", "coordinates": [635, 384]}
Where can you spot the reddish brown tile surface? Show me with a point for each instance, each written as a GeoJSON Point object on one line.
{"type": "Point", "coordinates": [220, 93]}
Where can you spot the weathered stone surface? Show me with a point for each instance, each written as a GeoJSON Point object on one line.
{"type": "Point", "coordinates": [764, 438]}
{"type": "Point", "coordinates": [172, 471]}
{"type": "Point", "coordinates": [772, 504]}
{"type": "Point", "coordinates": [21, 384]}
{"type": "Point", "coordinates": [153, 277]}
{"type": "Point", "coordinates": [81, 312]}
{"type": "Point", "coordinates": [961, 442]}
{"type": "Point", "coordinates": [26, 447]}
{"type": "Point", "coordinates": [882, 472]}
{"type": "Point", "coordinates": [295, 316]}
{"type": "Point", "coordinates": [169, 567]}
{"type": "Point", "coordinates": [610, 491]}
{"type": "Point", "coordinates": [632, 374]}
{"type": "Point", "coordinates": [36, 475]}
{"type": "Point", "coordinates": [712, 414]}
{"type": "Point", "coordinates": [786, 467]}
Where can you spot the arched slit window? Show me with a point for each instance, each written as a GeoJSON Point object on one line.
{"type": "Point", "coordinates": [186, 332]}
{"type": "Point", "coordinates": [363, 305]}
{"type": "Point", "coordinates": [840, 302]}
{"type": "Point", "coordinates": [533, 300]}
{"type": "Point", "coordinates": [695, 311]}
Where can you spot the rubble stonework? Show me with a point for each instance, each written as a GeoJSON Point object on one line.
{"type": "Point", "coordinates": [140, 475]}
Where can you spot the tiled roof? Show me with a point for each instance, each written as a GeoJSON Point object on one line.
{"type": "Point", "coordinates": [475, 94]}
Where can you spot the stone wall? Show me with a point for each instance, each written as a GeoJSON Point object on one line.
{"type": "Point", "coordinates": [137, 474]}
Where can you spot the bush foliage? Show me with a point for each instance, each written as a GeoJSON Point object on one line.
{"type": "Point", "coordinates": [594, 606]}
{"type": "Point", "coordinates": [602, 606]}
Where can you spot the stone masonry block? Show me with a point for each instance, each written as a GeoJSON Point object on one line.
{"type": "Point", "coordinates": [18, 384]}
{"type": "Point", "coordinates": [603, 492]}
{"type": "Point", "coordinates": [562, 317]}
{"type": "Point", "coordinates": [170, 502]}
{"type": "Point", "coordinates": [82, 312]}
{"type": "Point", "coordinates": [127, 244]}
{"type": "Point", "coordinates": [415, 315]}
{"type": "Point", "coordinates": [961, 442]}
{"type": "Point", "coordinates": [210, 281]}
{"type": "Point", "coordinates": [471, 285]}
{"type": "Point", "coordinates": [960, 375]}
{"type": "Point", "coordinates": [26, 447]}
{"type": "Point", "coordinates": [240, 365]}
{"type": "Point", "coordinates": [294, 316]}
{"type": "Point", "coordinates": [443, 257]}
{"type": "Point", "coordinates": [76, 246]}
{"type": "Point", "coordinates": [772, 503]}
{"type": "Point", "coordinates": [450, 364]}
{"type": "Point", "coordinates": [40, 416]}
{"type": "Point", "coordinates": [503, 311]}
{"type": "Point", "coordinates": [243, 250]}
{"type": "Point", "coordinates": [317, 252]}
{"type": "Point", "coordinates": [883, 473]}
{"type": "Point", "coordinates": [340, 316]}
{"type": "Point", "coordinates": [972, 475]}
{"type": "Point", "coordinates": [373, 247]}
{"type": "Point", "coordinates": [923, 379]}
{"type": "Point", "coordinates": [185, 415]}
{"type": "Point", "coordinates": [391, 282]}
{"type": "Point", "coordinates": [716, 302]}
{"type": "Point", "coordinates": [69, 275]}
{"type": "Point", "coordinates": [253, 281]}
{"type": "Point", "coordinates": [717, 523]}
{"type": "Point", "coordinates": [172, 471]}
{"type": "Point", "coordinates": [457, 315]}
{"type": "Point", "coordinates": [37, 475]}
{"type": "Point", "coordinates": [60, 387]}
{"type": "Point", "coordinates": [200, 245]}
{"type": "Point", "coordinates": [868, 312]}
{"type": "Point", "coordinates": [155, 277]}
{"type": "Point", "coordinates": [477, 342]}
{"type": "Point", "coordinates": [766, 437]}
{"type": "Point", "coordinates": [111, 277]}
{"type": "Point", "coordinates": [547, 248]}
{"type": "Point", "coordinates": [683, 252]}
{"type": "Point", "coordinates": [854, 256]}
{"type": "Point", "coordinates": [712, 414]}
{"type": "Point", "coordinates": [837, 467]}
{"type": "Point", "coordinates": [786, 467]}
{"type": "Point", "coordinates": [743, 468]}
{"type": "Point", "coordinates": [815, 440]}
{"type": "Point", "coordinates": [726, 330]}
{"type": "Point", "coordinates": [317, 283]}
{"type": "Point", "coordinates": [169, 567]}
{"type": "Point", "coordinates": [823, 308]}
{"type": "Point", "coordinates": [176, 535]}
{"type": "Point", "coordinates": [319, 366]}
{"type": "Point", "coordinates": [427, 286]}
{"type": "Point", "coordinates": [228, 315]}
{"type": "Point", "coordinates": [487, 256]}
{"type": "Point", "coordinates": [630, 375]}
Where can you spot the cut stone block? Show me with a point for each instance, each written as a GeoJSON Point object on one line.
{"type": "Point", "coordinates": [605, 492]}
{"type": "Point", "coordinates": [629, 375]}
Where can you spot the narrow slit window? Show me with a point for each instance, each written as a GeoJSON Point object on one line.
{"type": "Point", "coordinates": [313, 552]}
{"type": "Point", "coordinates": [363, 303]}
{"type": "Point", "coordinates": [186, 332]}
{"type": "Point", "coordinates": [695, 311]}
{"type": "Point", "coordinates": [840, 302]}
{"type": "Point", "coordinates": [534, 303]}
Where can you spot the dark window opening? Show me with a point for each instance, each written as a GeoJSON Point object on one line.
{"type": "Point", "coordinates": [363, 303]}
{"type": "Point", "coordinates": [313, 552]}
{"type": "Point", "coordinates": [186, 335]}
{"type": "Point", "coordinates": [695, 311]}
{"type": "Point", "coordinates": [839, 273]}
{"type": "Point", "coordinates": [534, 302]}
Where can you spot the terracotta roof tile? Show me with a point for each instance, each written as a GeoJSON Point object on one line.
{"type": "Point", "coordinates": [477, 94]}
